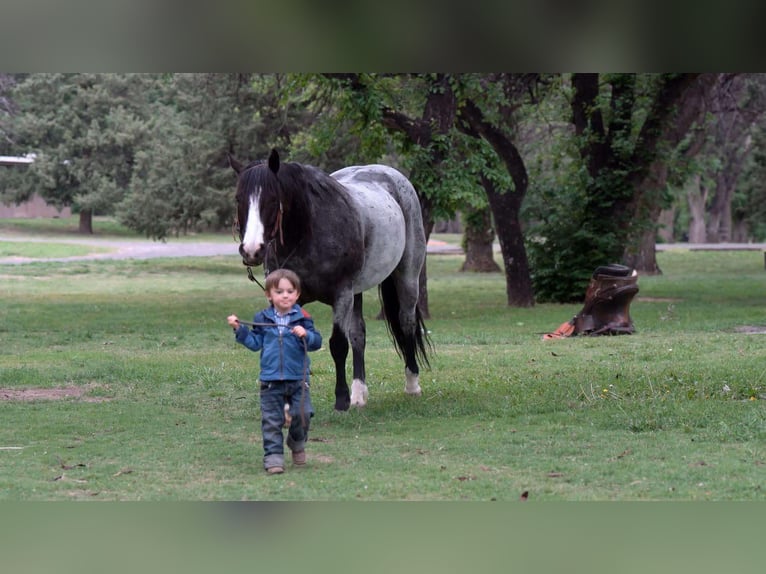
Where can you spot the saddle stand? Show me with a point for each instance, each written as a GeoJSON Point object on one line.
{"type": "Point", "coordinates": [607, 305]}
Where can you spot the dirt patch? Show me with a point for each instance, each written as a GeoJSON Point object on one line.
{"type": "Point", "coordinates": [50, 394]}
{"type": "Point", "coordinates": [751, 329]}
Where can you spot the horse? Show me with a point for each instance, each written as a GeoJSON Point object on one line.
{"type": "Point", "coordinates": [342, 233]}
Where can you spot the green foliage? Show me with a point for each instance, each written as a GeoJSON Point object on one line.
{"type": "Point", "coordinates": [150, 149]}
{"type": "Point", "coordinates": [85, 130]}
{"type": "Point", "coordinates": [352, 127]}
{"type": "Point", "coordinates": [587, 205]}
{"type": "Point", "coordinates": [562, 251]}
{"type": "Point", "coordinates": [749, 201]}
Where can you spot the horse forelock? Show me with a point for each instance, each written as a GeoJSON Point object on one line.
{"type": "Point", "coordinates": [249, 191]}
{"type": "Point", "coordinates": [282, 200]}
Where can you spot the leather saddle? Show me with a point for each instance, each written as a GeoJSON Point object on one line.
{"type": "Point", "coordinates": [606, 310]}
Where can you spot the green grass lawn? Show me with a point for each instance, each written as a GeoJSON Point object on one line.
{"type": "Point", "coordinates": [169, 407]}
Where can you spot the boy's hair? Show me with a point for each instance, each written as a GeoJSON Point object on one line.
{"type": "Point", "coordinates": [273, 278]}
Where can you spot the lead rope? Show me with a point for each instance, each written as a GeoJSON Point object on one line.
{"type": "Point", "coordinates": [304, 382]}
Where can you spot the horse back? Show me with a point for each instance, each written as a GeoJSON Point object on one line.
{"type": "Point", "coordinates": [390, 212]}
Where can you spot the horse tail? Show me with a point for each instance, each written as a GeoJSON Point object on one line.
{"type": "Point", "coordinates": [418, 342]}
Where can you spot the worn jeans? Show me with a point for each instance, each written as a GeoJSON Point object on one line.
{"type": "Point", "coordinates": [274, 396]}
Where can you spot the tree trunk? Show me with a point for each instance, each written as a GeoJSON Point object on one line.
{"type": "Point", "coordinates": [479, 237]}
{"type": "Point", "coordinates": [732, 144]}
{"type": "Point", "coordinates": [518, 281]}
{"type": "Point", "coordinates": [86, 222]}
{"type": "Point", "coordinates": [739, 232]}
{"type": "Point", "coordinates": [641, 254]}
{"type": "Point", "coordinates": [666, 229]}
{"type": "Point", "coordinates": [644, 258]}
{"type": "Point", "coordinates": [506, 205]}
{"type": "Point", "coordinates": [696, 197]}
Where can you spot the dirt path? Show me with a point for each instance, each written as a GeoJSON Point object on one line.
{"type": "Point", "coordinates": [147, 249]}
{"type": "Point", "coordinates": [123, 249]}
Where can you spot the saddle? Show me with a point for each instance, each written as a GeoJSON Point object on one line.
{"type": "Point", "coordinates": [606, 310]}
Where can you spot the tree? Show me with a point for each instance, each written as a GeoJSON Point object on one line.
{"type": "Point", "coordinates": [749, 202]}
{"type": "Point", "coordinates": [626, 127]}
{"type": "Point", "coordinates": [84, 130]}
{"type": "Point", "coordinates": [489, 114]}
{"type": "Point", "coordinates": [8, 110]}
{"type": "Point", "coordinates": [736, 105]}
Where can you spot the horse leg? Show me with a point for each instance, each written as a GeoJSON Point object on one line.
{"type": "Point", "coordinates": [339, 352]}
{"type": "Point", "coordinates": [358, 336]}
{"type": "Point", "coordinates": [411, 370]}
{"type": "Point", "coordinates": [412, 338]}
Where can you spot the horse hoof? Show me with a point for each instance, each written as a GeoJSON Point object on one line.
{"type": "Point", "coordinates": [358, 401]}
{"type": "Point", "coordinates": [411, 383]}
{"type": "Point", "coordinates": [358, 393]}
{"type": "Point", "coordinates": [341, 405]}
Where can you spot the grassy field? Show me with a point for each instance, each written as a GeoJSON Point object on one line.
{"type": "Point", "coordinates": [168, 408]}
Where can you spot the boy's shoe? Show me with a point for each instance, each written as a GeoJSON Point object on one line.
{"type": "Point", "coordinates": [275, 470]}
{"type": "Point", "coordinates": [299, 458]}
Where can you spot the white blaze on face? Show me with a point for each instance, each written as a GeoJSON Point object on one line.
{"type": "Point", "coordinates": [253, 238]}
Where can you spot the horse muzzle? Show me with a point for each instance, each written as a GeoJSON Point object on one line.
{"type": "Point", "coordinates": [251, 259]}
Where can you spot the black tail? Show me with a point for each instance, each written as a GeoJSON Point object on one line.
{"type": "Point", "coordinates": [418, 342]}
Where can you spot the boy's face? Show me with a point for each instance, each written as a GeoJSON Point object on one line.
{"type": "Point", "coordinates": [283, 296]}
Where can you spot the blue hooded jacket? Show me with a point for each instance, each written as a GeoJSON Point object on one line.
{"type": "Point", "coordinates": [283, 356]}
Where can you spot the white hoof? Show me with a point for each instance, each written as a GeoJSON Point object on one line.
{"type": "Point", "coordinates": [411, 383]}
{"type": "Point", "coordinates": [358, 393]}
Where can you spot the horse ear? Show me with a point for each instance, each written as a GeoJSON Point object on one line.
{"type": "Point", "coordinates": [235, 165]}
{"type": "Point", "coordinates": [274, 161]}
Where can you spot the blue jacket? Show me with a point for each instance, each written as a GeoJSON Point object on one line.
{"type": "Point", "coordinates": [283, 356]}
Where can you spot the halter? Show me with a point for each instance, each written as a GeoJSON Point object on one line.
{"type": "Point", "coordinates": [277, 229]}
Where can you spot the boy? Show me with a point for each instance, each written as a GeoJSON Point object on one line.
{"type": "Point", "coordinates": [284, 333]}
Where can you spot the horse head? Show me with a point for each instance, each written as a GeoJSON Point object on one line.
{"type": "Point", "coordinates": [259, 207]}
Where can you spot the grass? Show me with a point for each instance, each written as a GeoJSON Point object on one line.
{"type": "Point", "coordinates": [63, 226]}
{"type": "Point", "coordinates": [673, 412]}
{"type": "Point", "coordinates": [103, 227]}
{"type": "Point", "coordinates": [46, 249]}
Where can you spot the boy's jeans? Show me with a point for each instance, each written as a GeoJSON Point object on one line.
{"type": "Point", "coordinates": [274, 395]}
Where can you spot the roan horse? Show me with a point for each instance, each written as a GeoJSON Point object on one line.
{"type": "Point", "coordinates": [342, 234]}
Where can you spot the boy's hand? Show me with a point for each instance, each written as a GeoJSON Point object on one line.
{"type": "Point", "coordinates": [299, 331]}
{"type": "Point", "coordinates": [233, 321]}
